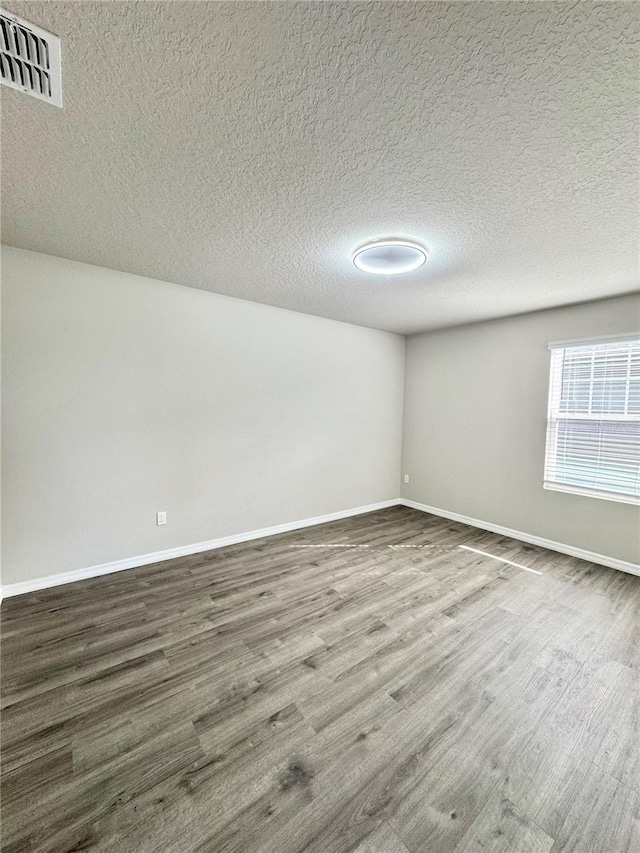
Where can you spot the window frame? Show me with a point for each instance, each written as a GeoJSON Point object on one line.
{"type": "Point", "coordinates": [553, 417]}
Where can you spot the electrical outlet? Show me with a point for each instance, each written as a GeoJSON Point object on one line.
{"type": "Point", "coordinates": [161, 518]}
{"type": "Point", "coordinates": [406, 478]}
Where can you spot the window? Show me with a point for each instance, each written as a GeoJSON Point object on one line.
{"type": "Point", "coordinates": [593, 428]}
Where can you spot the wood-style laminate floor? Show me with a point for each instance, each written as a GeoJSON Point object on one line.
{"type": "Point", "coordinates": [371, 685]}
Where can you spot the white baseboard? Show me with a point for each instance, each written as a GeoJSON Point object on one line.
{"type": "Point", "coordinates": [529, 538]}
{"type": "Point", "coordinates": [12, 589]}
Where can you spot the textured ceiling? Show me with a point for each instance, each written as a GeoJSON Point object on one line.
{"type": "Point", "coordinates": [248, 148]}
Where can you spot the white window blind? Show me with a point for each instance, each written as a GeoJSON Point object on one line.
{"type": "Point", "coordinates": [593, 429]}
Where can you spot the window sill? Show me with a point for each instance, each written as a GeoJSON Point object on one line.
{"type": "Point", "coordinates": [592, 493]}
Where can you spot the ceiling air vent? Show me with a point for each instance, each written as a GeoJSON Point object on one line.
{"type": "Point", "coordinates": [30, 59]}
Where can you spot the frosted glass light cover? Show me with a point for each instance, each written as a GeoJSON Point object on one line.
{"type": "Point", "coordinates": [390, 257]}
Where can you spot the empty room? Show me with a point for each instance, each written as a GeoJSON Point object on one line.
{"type": "Point", "coordinates": [320, 427]}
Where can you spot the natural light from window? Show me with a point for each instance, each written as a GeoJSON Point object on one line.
{"type": "Point", "coordinates": [593, 428]}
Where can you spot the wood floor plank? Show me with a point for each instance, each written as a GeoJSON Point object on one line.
{"type": "Point", "coordinates": [546, 777]}
{"type": "Point", "coordinates": [382, 840]}
{"type": "Point", "coordinates": [372, 684]}
{"type": "Point", "coordinates": [604, 815]}
{"type": "Point", "coordinates": [502, 828]}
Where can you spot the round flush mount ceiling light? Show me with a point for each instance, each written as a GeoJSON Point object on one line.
{"type": "Point", "coordinates": [390, 257]}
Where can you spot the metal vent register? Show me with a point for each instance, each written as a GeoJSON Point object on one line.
{"type": "Point", "coordinates": [30, 59]}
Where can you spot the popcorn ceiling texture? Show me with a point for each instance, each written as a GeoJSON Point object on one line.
{"type": "Point", "coordinates": [248, 148]}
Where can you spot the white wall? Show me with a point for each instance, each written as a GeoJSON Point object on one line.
{"type": "Point", "coordinates": [475, 422]}
{"type": "Point", "coordinates": [123, 396]}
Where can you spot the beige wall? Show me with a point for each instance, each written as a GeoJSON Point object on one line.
{"type": "Point", "coordinates": [123, 396]}
{"type": "Point", "coordinates": [475, 421]}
